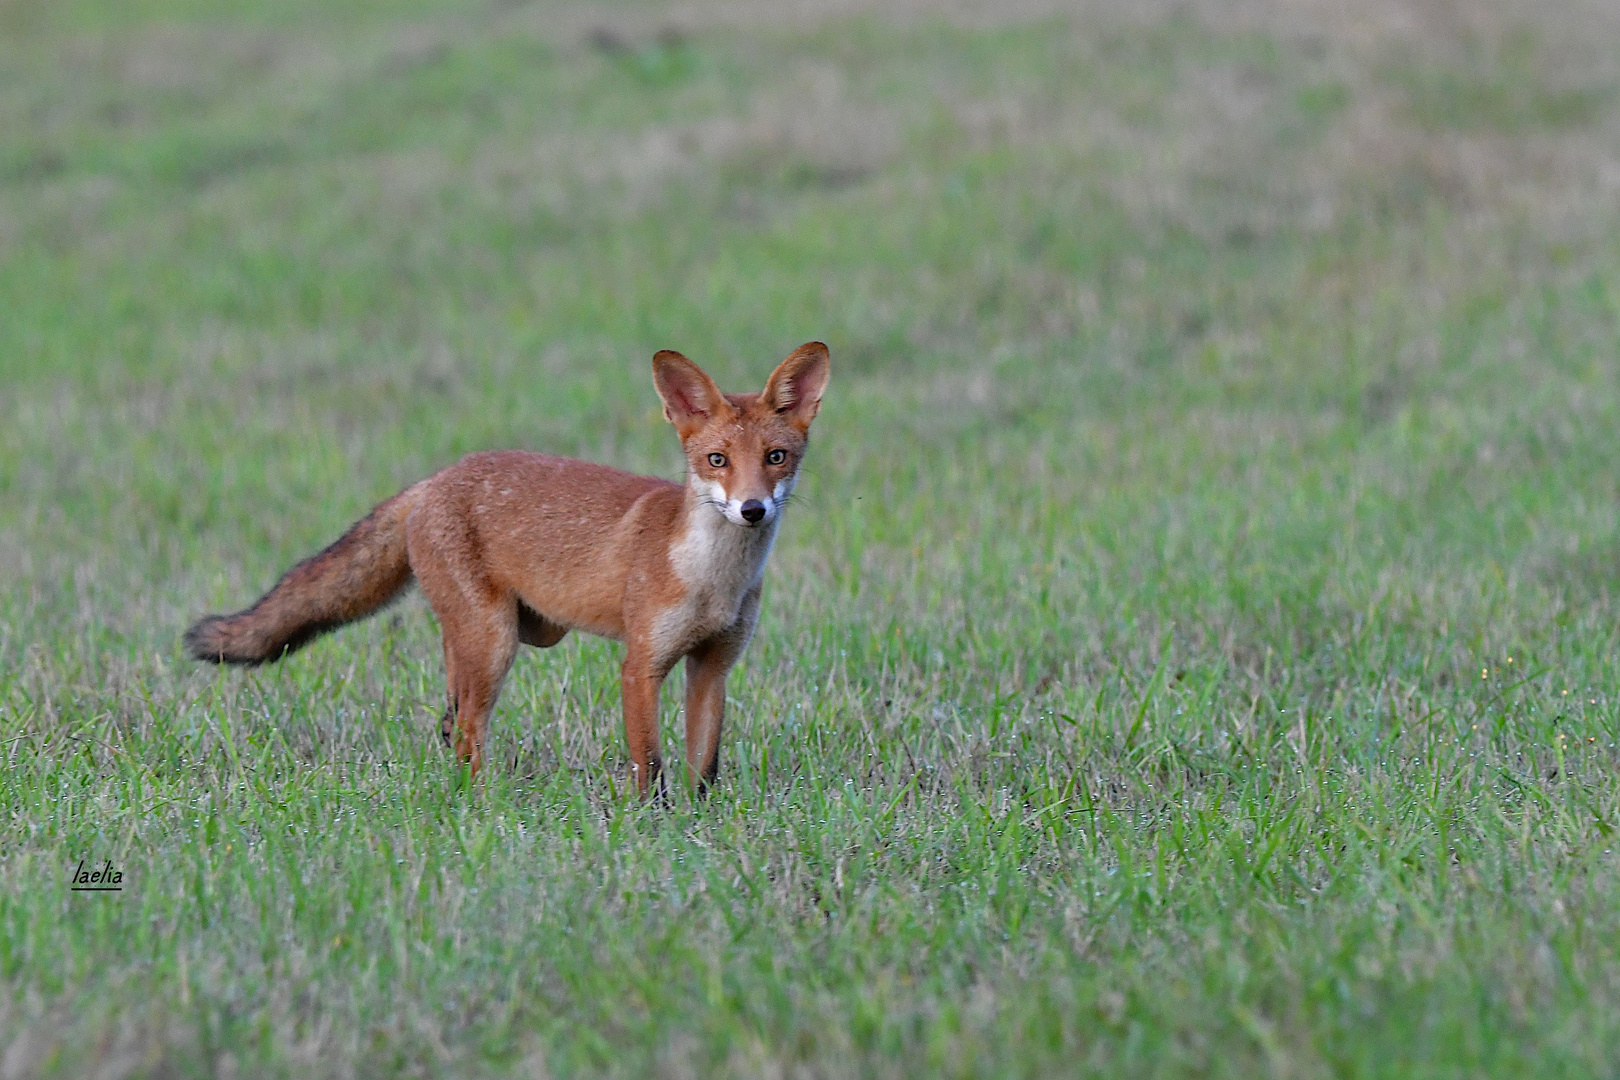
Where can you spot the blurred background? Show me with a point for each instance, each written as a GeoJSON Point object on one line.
{"type": "Point", "coordinates": [1201, 593]}
{"type": "Point", "coordinates": [262, 265]}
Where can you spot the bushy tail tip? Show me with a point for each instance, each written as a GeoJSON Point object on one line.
{"type": "Point", "coordinates": [223, 639]}
{"type": "Point", "coordinates": [355, 575]}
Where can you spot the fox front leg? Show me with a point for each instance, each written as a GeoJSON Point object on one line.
{"type": "Point", "coordinates": [706, 669]}
{"type": "Point", "coordinates": [640, 681]}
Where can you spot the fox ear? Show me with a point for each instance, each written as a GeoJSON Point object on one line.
{"type": "Point", "coordinates": [795, 387]}
{"type": "Point", "coordinates": [690, 397]}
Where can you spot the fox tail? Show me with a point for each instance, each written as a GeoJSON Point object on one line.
{"type": "Point", "coordinates": [362, 571]}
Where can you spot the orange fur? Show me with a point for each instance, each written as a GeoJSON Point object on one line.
{"type": "Point", "coordinates": [513, 547]}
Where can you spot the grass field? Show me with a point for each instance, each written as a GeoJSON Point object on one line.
{"type": "Point", "coordinates": [1192, 651]}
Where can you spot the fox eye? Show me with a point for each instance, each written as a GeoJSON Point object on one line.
{"type": "Point", "coordinates": [776, 457]}
{"type": "Point", "coordinates": [718, 461]}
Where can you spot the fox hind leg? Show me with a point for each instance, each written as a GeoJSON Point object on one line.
{"type": "Point", "coordinates": [483, 647]}
{"type": "Point", "coordinates": [447, 722]}
{"type": "Point", "coordinates": [480, 628]}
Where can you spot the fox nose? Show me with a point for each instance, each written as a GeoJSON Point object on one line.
{"type": "Point", "coordinates": [753, 511]}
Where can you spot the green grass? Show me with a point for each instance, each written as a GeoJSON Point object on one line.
{"type": "Point", "coordinates": [1193, 651]}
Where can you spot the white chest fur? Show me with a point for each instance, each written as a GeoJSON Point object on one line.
{"type": "Point", "coordinates": [718, 564]}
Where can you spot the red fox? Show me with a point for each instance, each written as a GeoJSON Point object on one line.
{"type": "Point", "coordinates": [513, 547]}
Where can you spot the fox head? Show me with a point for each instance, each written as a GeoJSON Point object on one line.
{"type": "Point", "coordinates": [743, 450]}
